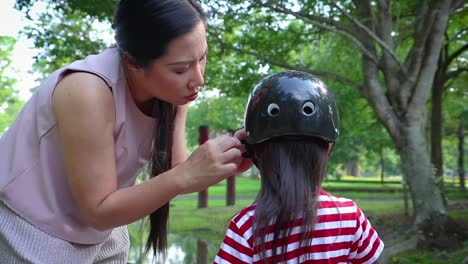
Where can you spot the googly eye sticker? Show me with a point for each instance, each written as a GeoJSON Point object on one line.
{"type": "Point", "coordinates": [273, 109]}
{"type": "Point", "coordinates": [308, 108]}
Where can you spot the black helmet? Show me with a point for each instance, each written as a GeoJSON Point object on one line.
{"type": "Point", "coordinates": [291, 103]}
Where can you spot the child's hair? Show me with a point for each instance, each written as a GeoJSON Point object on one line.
{"type": "Point", "coordinates": [291, 121]}
{"type": "Point", "coordinates": [292, 171]}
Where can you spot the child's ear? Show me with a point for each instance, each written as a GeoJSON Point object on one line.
{"type": "Point", "coordinates": [329, 148]}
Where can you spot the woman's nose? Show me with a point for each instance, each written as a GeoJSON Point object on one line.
{"type": "Point", "coordinates": [197, 78]}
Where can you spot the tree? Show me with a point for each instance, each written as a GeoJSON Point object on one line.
{"type": "Point", "coordinates": [452, 64]}
{"type": "Point", "coordinates": [236, 73]}
{"type": "Point", "coordinates": [455, 114]}
{"type": "Point", "coordinates": [10, 104]}
{"type": "Point", "coordinates": [64, 32]}
{"type": "Point", "coordinates": [71, 22]}
{"type": "Point", "coordinates": [399, 43]}
{"type": "Point", "coordinates": [219, 113]}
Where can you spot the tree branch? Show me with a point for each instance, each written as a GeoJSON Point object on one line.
{"type": "Point", "coordinates": [325, 74]}
{"type": "Point", "coordinates": [455, 5]}
{"type": "Point", "coordinates": [422, 31]}
{"type": "Point", "coordinates": [454, 74]}
{"type": "Point", "coordinates": [330, 25]}
{"type": "Point", "coordinates": [379, 102]}
{"type": "Point", "coordinates": [371, 34]}
{"type": "Point", "coordinates": [390, 67]}
{"type": "Point", "coordinates": [459, 32]}
{"type": "Point", "coordinates": [373, 90]}
{"type": "Point", "coordinates": [457, 53]}
{"type": "Point", "coordinates": [375, 96]}
{"type": "Point", "coordinates": [432, 46]}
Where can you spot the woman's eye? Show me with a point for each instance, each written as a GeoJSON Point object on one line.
{"type": "Point", "coordinates": [180, 71]}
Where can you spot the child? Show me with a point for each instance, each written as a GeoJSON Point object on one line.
{"type": "Point", "coordinates": [291, 124]}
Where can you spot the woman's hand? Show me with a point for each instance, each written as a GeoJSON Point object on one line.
{"type": "Point", "coordinates": [210, 163]}
{"type": "Point", "coordinates": [246, 162]}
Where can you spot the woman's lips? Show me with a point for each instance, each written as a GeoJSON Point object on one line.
{"type": "Point", "coordinates": [192, 97]}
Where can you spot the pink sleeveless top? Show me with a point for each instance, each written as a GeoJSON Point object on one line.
{"type": "Point", "coordinates": [33, 182]}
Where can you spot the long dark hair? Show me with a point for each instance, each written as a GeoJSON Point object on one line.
{"type": "Point", "coordinates": [292, 170]}
{"type": "Point", "coordinates": [144, 29]}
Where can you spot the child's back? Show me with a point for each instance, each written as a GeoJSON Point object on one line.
{"type": "Point", "coordinates": [292, 125]}
{"type": "Point", "coordinates": [342, 234]}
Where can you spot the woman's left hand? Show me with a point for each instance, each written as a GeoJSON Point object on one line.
{"type": "Point", "coordinates": [246, 162]}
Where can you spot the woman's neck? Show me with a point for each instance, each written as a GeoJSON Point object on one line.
{"type": "Point", "coordinates": [142, 101]}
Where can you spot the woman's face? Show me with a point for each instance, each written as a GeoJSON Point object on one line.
{"type": "Point", "coordinates": [177, 76]}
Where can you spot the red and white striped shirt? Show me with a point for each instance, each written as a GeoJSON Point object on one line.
{"type": "Point", "coordinates": [342, 234]}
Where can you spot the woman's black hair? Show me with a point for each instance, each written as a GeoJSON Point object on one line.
{"type": "Point", "coordinates": [143, 30]}
{"type": "Point", "coordinates": [292, 171]}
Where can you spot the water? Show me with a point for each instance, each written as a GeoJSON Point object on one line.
{"type": "Point", "coordinates": [181, 250]}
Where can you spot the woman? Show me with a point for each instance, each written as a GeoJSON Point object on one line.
{"type": "Point", "coordinates": [69, 162]}
{"type": "Point", "coordinates": [292, 124]}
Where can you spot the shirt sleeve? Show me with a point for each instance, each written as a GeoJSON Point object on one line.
{"type": "Point", "coordinates": [235, 248]}
{"type": "Point", "coordinates": [367, 246]}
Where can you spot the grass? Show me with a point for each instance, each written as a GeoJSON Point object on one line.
{"type": "Point", "coordinates": [248, 187]}
{"type": "Point", "coordinates": [415, 256]}
{"type": "Point", "coordinates": [187, 219]}
{"type": "Point", "coordinates": [189, 224]}
{"type": "Point", "coordinates": [207, 223]}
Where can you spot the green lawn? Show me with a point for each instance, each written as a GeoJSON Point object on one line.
{"type": "Point", "coordinates": [188, 223]}
{"type": "Point", "coordinates": [416, 256]}
{"type": "Point", "coordinates": [248, 187]}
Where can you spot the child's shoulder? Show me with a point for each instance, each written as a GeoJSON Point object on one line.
{"type": "Point", "coordinates": [328, 198]}
{"type": "Point", "coordinates": [245, 214]}
{"type": "Point", "coordinates": [335, 208]}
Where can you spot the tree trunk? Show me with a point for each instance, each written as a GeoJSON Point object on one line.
{"type": "Point", "coordinates": [203, 136]}
{"type": "Point", "coordinates": [461, 155]}
{"type": "Point", "coordinates": [382, 166]}
{"type": "Point", "coordinates": [436, 129]}
{"type": "Point", "coordinates": [426, 194]}
{"type": "Point", "coordinates": [353, 168]}
{"type": "Point", "coordinates": [436, 125]}
{"type": "Point", "coordinates": [231, 183]}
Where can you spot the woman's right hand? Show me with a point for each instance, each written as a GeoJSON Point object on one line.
{"type": "Point", "coordinates": [212, 162]}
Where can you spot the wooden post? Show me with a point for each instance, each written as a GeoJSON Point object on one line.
{"type": "Point", "coordinates": [202, 252]}
{"type": "Point", "coordinates": [231, 191]}
{"type": "Point", "coordinates": [203, 134]}
{"type": "Point", "coordinates": [231, 185]}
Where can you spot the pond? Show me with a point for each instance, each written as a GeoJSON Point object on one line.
{"type": "Point", "coordinates": [181, 250]}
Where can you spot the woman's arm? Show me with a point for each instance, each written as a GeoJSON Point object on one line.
{"type": "Point", "coordinates": [179, 150]}
{"type": "Point", "coordinates": [85, 113]}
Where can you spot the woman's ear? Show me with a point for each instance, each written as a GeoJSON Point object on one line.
{"type": "Point", "coordinates": [130, 61]}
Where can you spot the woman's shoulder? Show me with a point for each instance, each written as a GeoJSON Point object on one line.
{"type": "Point", "coordinates": [105, 65]}
{"type": "Point", "coordinates": [82, 90]}
{"type": "Point", "coordinates": [84, 84]}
